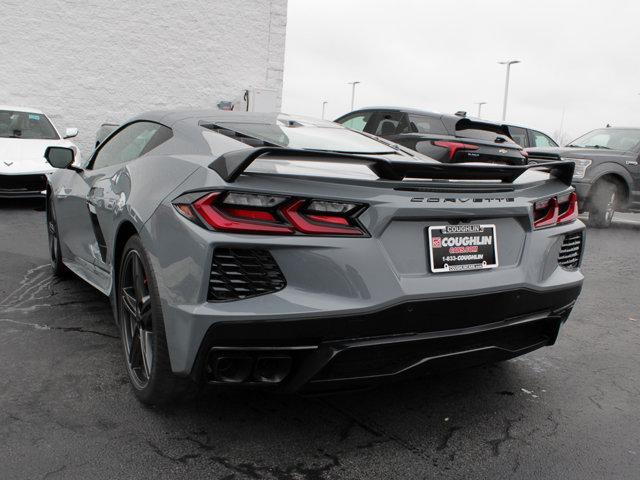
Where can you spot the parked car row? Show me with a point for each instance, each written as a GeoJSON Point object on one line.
{"type": "Point", "coordinates": [607, 170]}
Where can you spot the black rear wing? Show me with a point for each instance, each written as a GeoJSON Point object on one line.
{"type": "Point", "coordinates": [232, 164]}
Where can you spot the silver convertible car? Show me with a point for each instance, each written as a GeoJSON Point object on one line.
{"type": "Point", "coordinates": [274, 251]}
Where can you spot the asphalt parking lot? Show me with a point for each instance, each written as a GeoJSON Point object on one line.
{"type": "Point", "coordinates": [567, 411]}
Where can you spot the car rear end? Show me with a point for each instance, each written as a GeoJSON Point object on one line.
{"type": "Point", "coordinates": [319, 280]}
{"type": "Point", "coordinates": [482, 146]}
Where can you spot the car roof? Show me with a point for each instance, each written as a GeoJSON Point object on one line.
{"type": "Point", "coordinates": [450, 116]}
{"type": "Point", "coordinates": [21, 109]}
{"type": "Point", "coordinates": [402, 109]}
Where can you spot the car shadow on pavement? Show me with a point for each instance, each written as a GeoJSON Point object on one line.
{"type": "Point", "coordinates": [429, 420]}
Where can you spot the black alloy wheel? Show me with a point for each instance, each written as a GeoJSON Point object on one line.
{"type": "Point", "coordinates": [139, 315]}
{"type": "Point", "coordinates": [136, 319]}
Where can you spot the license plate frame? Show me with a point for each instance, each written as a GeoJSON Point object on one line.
{"type": "Point", "coordinates": [464, 260]}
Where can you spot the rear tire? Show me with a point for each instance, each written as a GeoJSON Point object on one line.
{"type": "Point", "coordinates": [604, 202]}
{"type": "Point", "coordinates": [55, 252]}
{"type": "Point", "coordinates": [142, 331]}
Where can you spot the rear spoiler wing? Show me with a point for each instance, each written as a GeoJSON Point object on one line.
{"type": "Point", "coordinates": [232, 164]}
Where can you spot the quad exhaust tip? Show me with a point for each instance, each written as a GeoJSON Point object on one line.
{"type": "Point", "coordinates": [271, 369]}
{"type": "Point", "coordinates": [246, 368]}
{"type": "Point", "coordinates": [233, 369]}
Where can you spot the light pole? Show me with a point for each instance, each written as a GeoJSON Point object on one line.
{"type": "Point", "coordinates": [324, 104]}
{"type": "Point", "coordinates": [480, 108]}
{"type": "Point", "coordinates": [508, 63]}
{"type": "Point", "coordinates": [353, 92]}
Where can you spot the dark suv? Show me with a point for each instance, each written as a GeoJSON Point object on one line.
{"type": "Point", "coordinates": [607, 174]}
{"type": "Point", "coordinates": [447, 138]}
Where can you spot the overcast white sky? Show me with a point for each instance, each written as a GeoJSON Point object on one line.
{"type": "Point", "coordinates": [580, 56]}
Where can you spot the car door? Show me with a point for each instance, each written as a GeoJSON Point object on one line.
{"type": "Point", "coordinates": [101, 188]}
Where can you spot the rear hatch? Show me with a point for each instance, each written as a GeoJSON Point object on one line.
{"type": "Point", "coordinates": [468, 141]}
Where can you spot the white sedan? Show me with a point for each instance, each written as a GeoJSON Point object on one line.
{"type": "Point", "coordinates": [25, 134]}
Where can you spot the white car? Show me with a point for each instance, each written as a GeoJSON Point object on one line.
{"type": "Point", "coordinates": [25, 134]}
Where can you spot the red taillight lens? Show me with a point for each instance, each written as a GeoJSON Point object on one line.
{"type": "Point", "coordinates": [555, 211]}
{"type": "Point", "coordinates": [318, 225]}
{"type": "Point", "coordinates": [454, 147]}
{"type": "Point", "coordinates": [570, 213]}
{"type": "Point", "coordinates": [236, 219]}
{"type": "Point", "coordinates": [270, 214]}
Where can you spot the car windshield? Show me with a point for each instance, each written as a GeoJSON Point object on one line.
{"type": "Point", "coordinates": [610, 139]}
{"type": "Point", "coordinates": [298, 134]}
{"type": "Point", "coordinates": [26, 125]}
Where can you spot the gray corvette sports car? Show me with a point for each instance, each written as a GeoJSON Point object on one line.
{"type": "Point", "coordinates": [274, 251]}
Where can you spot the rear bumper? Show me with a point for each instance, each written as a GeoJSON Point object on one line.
{"type": "Point", "coordinates": [405, 340]}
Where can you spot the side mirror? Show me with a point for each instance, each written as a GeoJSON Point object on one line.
{"type": "Point", "coordinates": [70, 133]}
{"type": "Point", "coordinates": [59, 157]}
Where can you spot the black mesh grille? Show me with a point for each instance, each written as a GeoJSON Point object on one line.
{"type": "Point", "coordinates": [238, 273]}
{"type": "Point", "coordinates": [571, 251]}
{"type": "Point", "coordinates": [30, 183]}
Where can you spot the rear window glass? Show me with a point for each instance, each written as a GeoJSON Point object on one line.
{"type": "Point", "coordinates": [482, 135]}
{"type": "Point", "coordinates": [481, 131]}
{"type": "Point", "coordinates": [424, 124]}
{"type": "Point", "coordinates": [298, 134]}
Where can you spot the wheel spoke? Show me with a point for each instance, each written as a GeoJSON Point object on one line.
{"type": "Point", "coordinates": [129, 301]}
{"type": "Point", "coordinates": [135, 356]}
{"type": "Point", "coordinates": [145, 312]}
{"type": "Point", "coordinates": [138, 279]}
{"type": "Point", "coordinates": [146, 349]}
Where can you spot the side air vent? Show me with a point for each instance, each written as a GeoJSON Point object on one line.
{"type": "Point", "coordinates": [571, 251]}
{"type": "Point", "coordinates": [238, 273]}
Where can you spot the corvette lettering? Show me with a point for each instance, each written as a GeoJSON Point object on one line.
{"type": "Point", "coordinates": [461, 200]}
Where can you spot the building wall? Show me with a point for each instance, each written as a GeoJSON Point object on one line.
{"type": "Point", "coordinates": [86, 62]}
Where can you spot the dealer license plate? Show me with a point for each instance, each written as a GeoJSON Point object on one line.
{"type": "Point", "coordinates": [455, 248]}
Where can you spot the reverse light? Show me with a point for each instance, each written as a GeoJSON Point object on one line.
{"type": "Point", "coordinates": [454, 147]}
{"type": "Point", "coordinates": [555, 211]}
{"type": "Point", "coordinates": [240, 212]}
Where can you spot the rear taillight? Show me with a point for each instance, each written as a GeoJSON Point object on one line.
{"type": "Point", "coordinates": [454, 147]}
{"type": "Point", "coordinates": [555, 211]}
{"type": "Point", "coordinates": [240, 212]}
